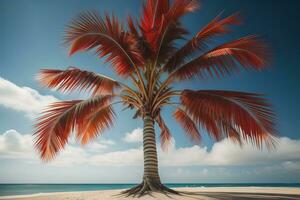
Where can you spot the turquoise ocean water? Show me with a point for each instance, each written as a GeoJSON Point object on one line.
{"type": "Point", "coordinates": [22, 189]}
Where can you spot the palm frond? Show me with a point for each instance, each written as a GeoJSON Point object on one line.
{"type": "Point", "coordinates": [132, 27]}
{"type": "Point", "coordinates": [75, 79]}
{"type": "Point", "coordinates": [165, 135]}
{"type": "Point", "coordinates": [166, 42]}
{"type": "Point", "coordinates": [248, 114]}
{"type": "Point", "coordinates": [201, 40]}
{"type": "Point", "coordinates": [95, 124]}
{"type": "Point", "coordinates": [62, 118]}
{"type": "Point", "coordinates": [208, 123]}
{"type": "Point", "coordinates": [247, 52]}
{"type": "Point", "coordinates": [152, 13]}
{"type": "Point", "coordinates": [180, 8]}
{"type": "Point", "coordinates": [231, 132]}
{"type": "Point", "coordinates": [187, 124]}
{"type": "Point", "coordinates": [160, 25]}
{"type": "Point", "coordinates": [90, 31]}
{"type": "Point", "coordinates": [170, 28]}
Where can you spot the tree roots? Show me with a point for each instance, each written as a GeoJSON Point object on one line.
{"type": "Point", "coordinates": [146, 187]}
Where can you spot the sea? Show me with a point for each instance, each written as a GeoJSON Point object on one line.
{"type": "Point", "coordinates": [26, 189]}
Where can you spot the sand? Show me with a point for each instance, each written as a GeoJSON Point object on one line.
{"type": "Point", "coordinates": [223, 193]}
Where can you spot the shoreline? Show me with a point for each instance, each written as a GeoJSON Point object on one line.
{"type": "Point", "coordinates": [189, 192]}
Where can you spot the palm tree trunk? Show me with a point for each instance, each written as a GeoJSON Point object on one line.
{"type": "Point", "coordinates": [151, 181]}
{"type": "Point", "coordinates": [150, 153]}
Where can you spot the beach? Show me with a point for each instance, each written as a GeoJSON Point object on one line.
{"type": "Point", "coordinates": [224, 193]}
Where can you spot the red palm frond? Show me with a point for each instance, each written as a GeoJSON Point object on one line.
{"type": "Point", "coordinates": [95, 124]}
{"type": "Point", "coordinates": [132, 27]}
{"type": "Point", "coordinates": [248, 52]}
{"type": "Point", "coordinates": [246, 113]}
{"type": "Point", "coordinates": [180, 8]}
{"type": "Point", "coordinates": [231, 132]}
{"type": "Point", "coordinates": [153, 12]}
{"type": "Point", "coordinates": [187, 124]}
{"type": "Point", "coordinates": [170, 28]}
{"type": "Point", "coordinates": [152, 21]}
{"type": "Point", "coordinates": [208, 123]}
{"type": "Point", "coordinates": [160, 25]}
{"type": "Point", "coordinates": [76, 79]}
{"type": "Point", "coordinates": [165, 135]}
{"type": "Point", "coordinates": [200, 41]}
{"type": "Point", "coordinates": [60, 120]}
{"type": "Point", "coordinates": [90, 31]}
{"type": "Point", "coordinates": [166, 42]}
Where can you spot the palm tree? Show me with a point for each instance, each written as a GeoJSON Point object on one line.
{"type": "Point", "coordinates": [146, 56]}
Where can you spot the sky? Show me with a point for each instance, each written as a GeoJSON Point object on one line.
{"type": "Point", "coordinates": [31, 39]}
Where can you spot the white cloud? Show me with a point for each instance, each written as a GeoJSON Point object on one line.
{"type": "Point", "coordinates": [14, 145]}
{"type": "Point", "coordinates": [226, 152]}
{"type": "Point", "coordinates": [136, 136]}
{"type": "Point", "coordinates": [118, 158]}
{"type": "Point", "coordinates": [23, 99]}
{"type": "Point", "coordinates": [223, 153]}
{"type": "Point", "coordinates": [77, 154]}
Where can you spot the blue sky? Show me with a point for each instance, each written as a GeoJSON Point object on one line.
{"type": "Point", "coordinates": [31, 39]}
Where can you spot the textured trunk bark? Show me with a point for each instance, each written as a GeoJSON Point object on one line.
{"type": "Point", "coordinates": [150, 153]}
{"type": "Point", "coordinates": [151, 181]}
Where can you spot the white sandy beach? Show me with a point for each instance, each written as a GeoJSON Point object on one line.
{"type": "Point", "coordinates": [223, 193]}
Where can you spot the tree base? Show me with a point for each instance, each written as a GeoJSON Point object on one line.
{"type": "Point", "coordinates": [147, 187]}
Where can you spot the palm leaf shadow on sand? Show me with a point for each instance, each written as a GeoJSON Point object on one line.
{"type": "Point", "coordinates": [237, 195]}
{"type": "Point", "coordinates": [211, 195]}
